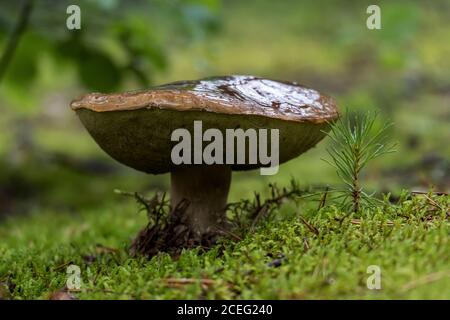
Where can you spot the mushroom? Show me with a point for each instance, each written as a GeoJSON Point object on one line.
{"type": "Point", "coordinates": [135, 128]}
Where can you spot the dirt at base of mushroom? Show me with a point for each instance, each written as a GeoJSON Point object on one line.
{"type": "Point", "coordinates": [171, 234]}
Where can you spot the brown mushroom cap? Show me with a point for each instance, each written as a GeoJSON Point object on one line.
{"type": "Point", "coordinates": [135, 127]}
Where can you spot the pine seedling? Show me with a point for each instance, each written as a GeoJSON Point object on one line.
{"type": "Point", "coordinates": [356, 141]}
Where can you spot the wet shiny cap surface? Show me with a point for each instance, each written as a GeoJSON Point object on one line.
{"type": "Point", "coordinates": [244, 95]}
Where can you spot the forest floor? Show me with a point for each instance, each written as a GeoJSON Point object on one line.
{"type": "Point", "coordinates": [296, 254]}
{"type": "Point", "coordinates": [58, 208]}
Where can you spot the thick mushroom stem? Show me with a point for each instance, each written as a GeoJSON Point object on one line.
{"type": "Point", "coordinates": [206, 188]}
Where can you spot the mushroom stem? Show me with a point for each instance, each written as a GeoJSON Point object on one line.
{"type": "Point", "coordinates": [206, 188]}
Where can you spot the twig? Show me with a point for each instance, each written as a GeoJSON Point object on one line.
{"type": "Point", "coordinates": [103, 249]}
{"type": "Point", "coordinates": [323, 199]}
{"type": "Point", "coordinates": [438, 193]}
{"type": "Point", "coordinates": [147, 203]}
{"type": "Point", "coordinates": [433, 203]}
{"type": "Point", "coordinates": [358, 222]}
{"type": "Point", "coordinates": [432, 277]}
{"type": "Point", "coordinates": [254, 211]}
{"type": "Point", "coordinates": [229, 233]}
{"type": "Point", "coordinates": [62, 266]}
{"type": "Point", "coordinates": [260, 212]}
{"type": "Point", "coordinates": [310, 226]}
{"type": "Point", "coordinates": [306, 245]}
{"type": "Point", "coordinates": [176, 283]}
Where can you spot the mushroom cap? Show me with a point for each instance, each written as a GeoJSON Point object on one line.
{"type": "Point", "coordinates": [135, 127]}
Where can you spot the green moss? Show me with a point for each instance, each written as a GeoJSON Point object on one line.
{"type": "Point", "coordinates": [282, 259]}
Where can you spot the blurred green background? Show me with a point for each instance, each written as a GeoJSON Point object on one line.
{"type": "Point", "coordinates": [48, 162]}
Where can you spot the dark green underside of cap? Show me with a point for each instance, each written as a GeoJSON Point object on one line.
{"type": "Point", "coordinates": [141, 139]}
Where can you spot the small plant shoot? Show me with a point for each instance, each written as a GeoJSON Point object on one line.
{"type": "Point", "coordinates": [356, 140]}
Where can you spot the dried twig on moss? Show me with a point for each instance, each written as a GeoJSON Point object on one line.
{"type": "Point", "coordinates": [169, 233]}
{"type": "Point", "coordinates": [156, 207]}
{"type": "Point", "coordinates": [248, 213]}
{"type": "Point", "coordinates": [176, 282]}
{"type": "Point", "coordinates": [167, 229]}
{"type": "Point", "coordinates": [309, 226]}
